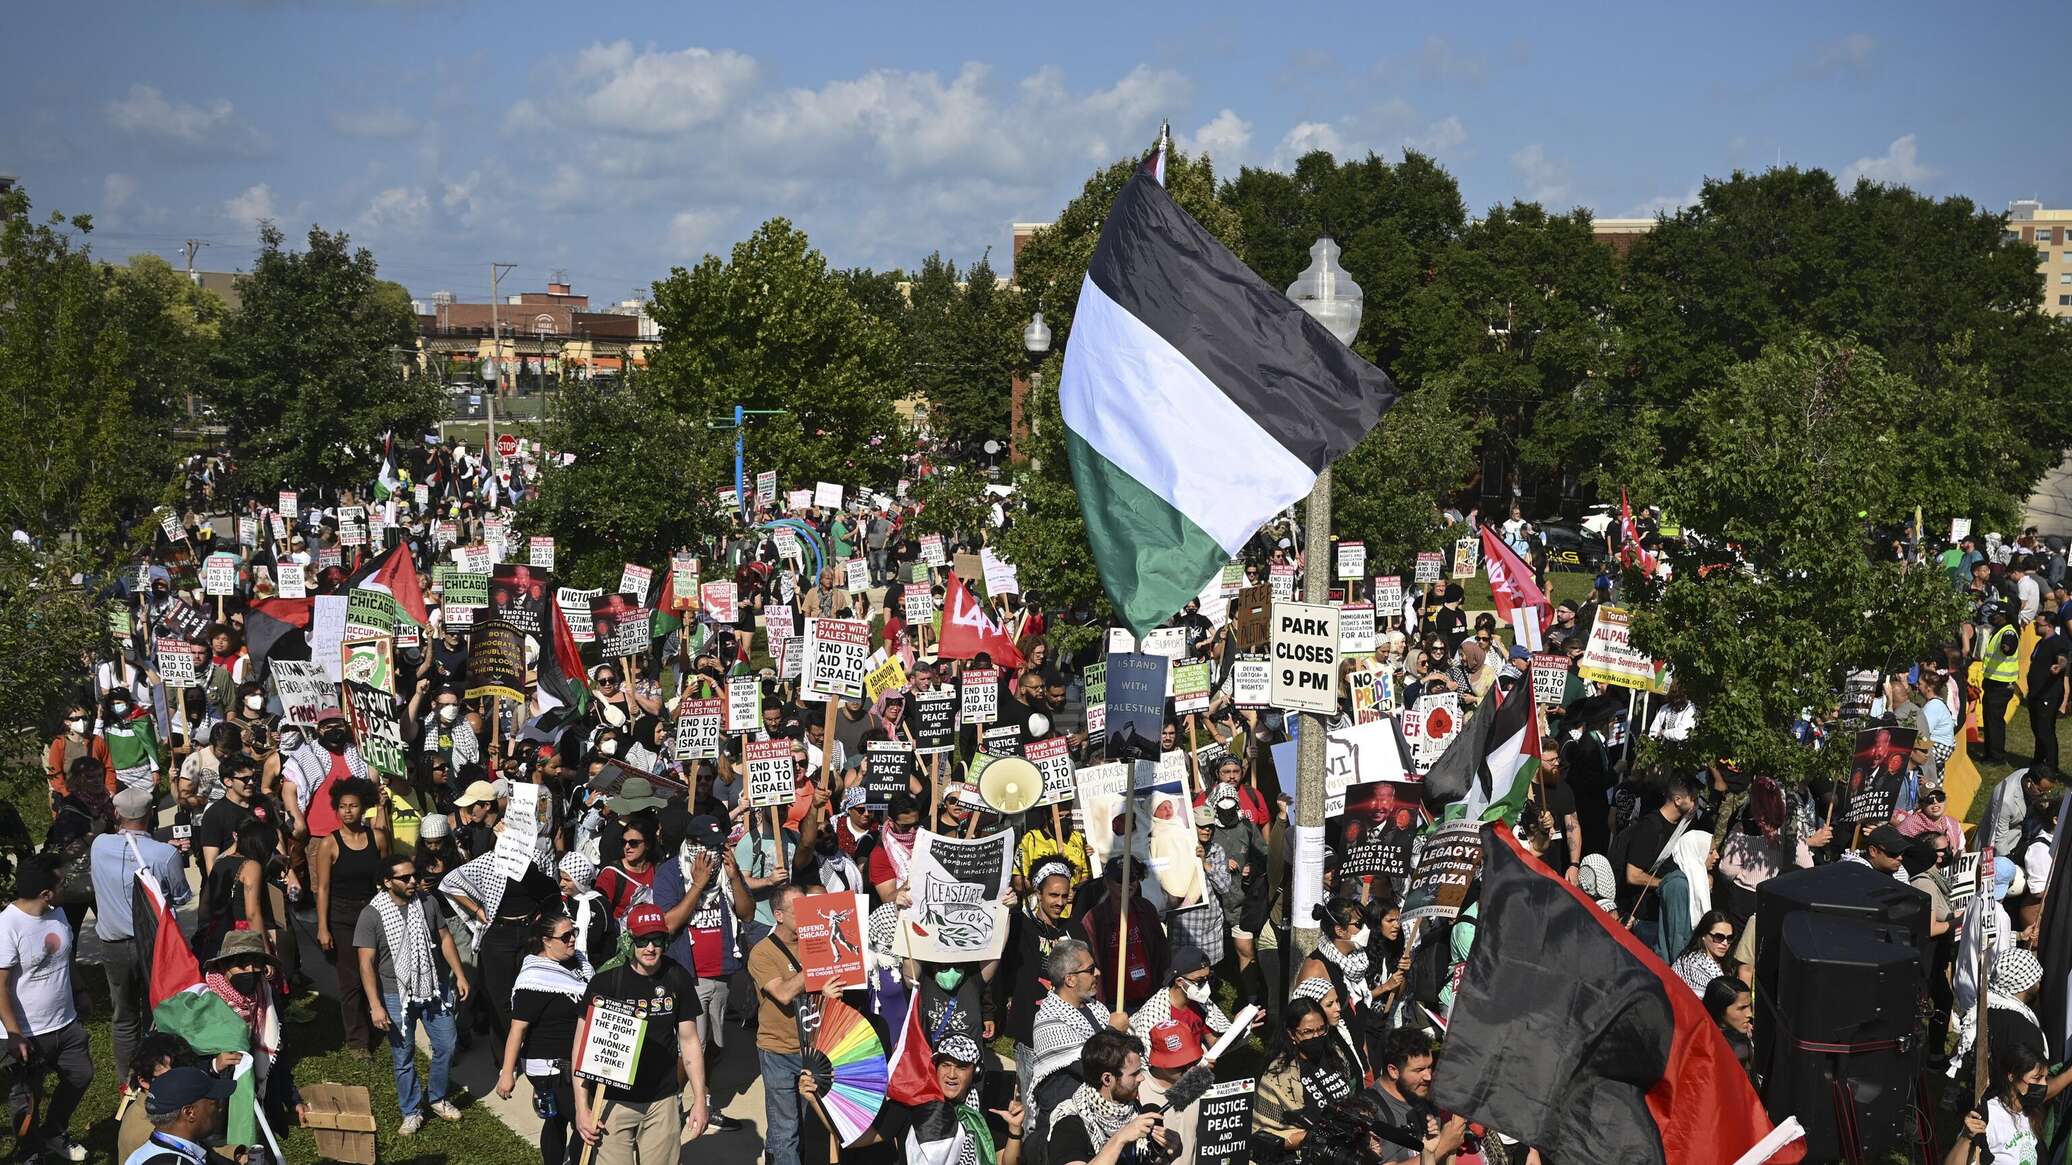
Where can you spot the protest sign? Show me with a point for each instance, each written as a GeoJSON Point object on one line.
{"type": "Point", "coordinates": [1001, 739]}
{"type": "Point", "coordinates": [1357, 754]}
{"type": "Point", "coordinates": [1093, 685]}
{"type": "Point", "coordinates": [889, 676]}
{"type": "Point", "coordinates": [289, 505]}
{"type": "Point", "coordinates": [1052, 757]}
{"type": "Point", "coordinates": [837, 655]}
{"type": "Point", "coordinates": [292, 584]}
{"type": "Point", "coordinates": [830, 933]}
{"type": "Point", "coordinates": [856, 576]}
{"type": "Point", "coordinates": [518, 595]}
{"type": "Point", "coordinates": [1098, 792]}
{"type": "Point", "coordinates": [278, 527]}
{"type": "Point", "coordinates": [352, 525]}
{"type": "Point", "coordinates": [1609, 657]}
{"type": "Point", "coordinates": [327, 632]}
{"type": "Point", "coordinates": [1373, 693]}
{"type": "Point", "coordinates": [1446, 867]}
{"type": "Point", "coordinates": [1190, 687]}
{"type": "Point", "coordinates": [683, 582]}
{"type": "Point", "coordinates": [1001, 577]}
{"type": "Point", "coordinates": [1438, 721]}
{"type": "Point", "coordinates": [935, 721]}
{"type": "Point", "coordinates": [1223, 1130]}
{"type": "Point", "coordinates": [955, 914]}
{"type": "Point", "coordinates": [479, 559]}
{"type": "Point", "coordinates": [1230, 580]}
{"type": "Point", "coordinates": [1251, 683]}
{"type": "Point", "coordinates": [169, 522]}
{"type": "Point", "coordinates": [968, 567]}
{"type": "Point", "coordinates": [1305, 657]}
{"type": "Point", "coordinates": [540, 552]}
{"type": "Point", "coordinates": [1170, 642]}
{"type": "Point", "coordinates": [1352, 560]}
{"type": "Point", "coordinates": [219, 575]}
{"type": "Point", "coordinates": [369, 661]}
{"type": "Point", "coordinates": [744, 703]}
{"type": "Point", "coordinates": [768, 763]}
{"type": "Point", "coordinates": [1877, 770]}
{"type": "Point", "coordinates": [1960, 529]}
{"type": "Point", "coordinates": [797, 500]}
{"type": "Point", "coordinates": [729, 500]}
{"type": "Point", "coordinates": [465, 588]}
{"type": "Point", "coordinates": [1251, 620]}
{"type": "Point", "coordinates": [791, 662]}
{"type": "Point", "coordinates": [621, 625]}
{"type": "Point", "coordinates": [496, 660]}
{"type": "Point", "coordinates": [445, 533]}
{"type": "Point", "coordinates": [635, 580]}
{"type": "Point", "coordinates": [887, 765]}
{"type": "Point", "coordinates": [1429, 567]}
{"type": "Point", "coordinates": [1549, 678]}
{"type": "Point", "coordinates": [932, 551]}
{"type": "Point", "coordinates": [721, 601]}
{"type": "Point", "coordinates": [698, 729]}
{"type": "Point", "coordinates": [1136, 705]}
{"type": "Point", "coordinates": [180, 663]}
{"type": "Point", "coordinates": [420, 495]}
{"type": "Point", "coordinates": [370, 612]}
{"type": "Point", "coordinates": [1467, 554]}
{"type": "Point", "coordinates": [518, 841]}
{"type": "Point", "coordinates": [766, 488]}
{"type": "Point", "coordinates": [247, 530]}
{"type": "Point", "coordinates": [918, 605]}
{"type": "Point", "coordinates": [827, 495]}
{"type": "Point", "coordinates": [375, 723]}
{"type": "Point", "coordinates": [981, 696]}
{"type": "Point", "coordinates": [1859, 693]}
{"type": "Point", "coordinates": [1356, 629]}
{"type": "Point", "coordinates": [1280, 578]}
{"type": "Point", "coordinates": [1374, 833]}
{"type": "Point", "coordinates": [575, 608]}
{"type": "Point", "coordinates": [303, 688]}
{"type": "Point", "coordinates": [608, 1045]}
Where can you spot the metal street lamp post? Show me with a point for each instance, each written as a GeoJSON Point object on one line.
{"type": "Point", "coordinates": [1331, 298]}
{"type": "Point", "coordinates": [1036, 341]}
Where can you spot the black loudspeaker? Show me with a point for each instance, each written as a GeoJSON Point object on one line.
{"type": "Point", "coordinates": [1841, 988]}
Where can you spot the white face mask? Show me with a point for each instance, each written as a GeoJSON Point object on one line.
{"type": "Point", "coordinates": [608, 747]}
{"type": "Point", "coordinates": [1199, 992]}
{"type": "Point", "coordinates": [255, 702]}
{"type": "Point", "coordinates": [448, 713]}
{"type": "Point", "coordinates": [1360, 939]}
{"type": "Point", "coordinates": [78, 726]}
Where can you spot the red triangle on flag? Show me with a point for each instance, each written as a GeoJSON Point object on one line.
{"type": "Point", "coordinates": [912, 1081]}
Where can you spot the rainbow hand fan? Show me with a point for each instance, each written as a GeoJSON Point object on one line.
{"type": "Point", "coordinates": [847, 1060]}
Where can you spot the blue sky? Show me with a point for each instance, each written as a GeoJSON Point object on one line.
{"type": "Point", "coordinates": [616, 141]}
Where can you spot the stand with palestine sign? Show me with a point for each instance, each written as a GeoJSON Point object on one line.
{"type": "Point", "coordinates": [837, 658]}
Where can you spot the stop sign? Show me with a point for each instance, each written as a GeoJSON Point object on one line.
{"type": "Point", "coordinates": [507, 445]}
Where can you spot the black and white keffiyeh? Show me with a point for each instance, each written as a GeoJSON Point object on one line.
{"type": "Point", "coordinates": [480, 880]}
{"type": "Point", "coordinates": [409, 941]}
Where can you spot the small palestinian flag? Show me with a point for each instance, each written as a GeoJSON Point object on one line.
{"type": "Point", "coordinates": [1485, 774]}
{"type": "Point", "coordinates": [173, 966]}
{"type": "Point", "coordinates": [564, 689]}
{"type": "Point", "coordinates": [1198, 403]}
{"type": "Point", "coordinates": [393, 574]}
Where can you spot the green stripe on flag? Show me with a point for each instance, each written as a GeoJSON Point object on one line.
{"type": "Point", "coordinates": [1153, 559]}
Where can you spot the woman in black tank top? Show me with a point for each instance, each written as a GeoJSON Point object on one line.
{"type": "Point", "coordinates": [345, 867]}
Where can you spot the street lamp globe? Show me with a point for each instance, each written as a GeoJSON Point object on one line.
{"type": "Point", "coordinates": [1327, 293]}
{"type": "Point", "coordinates": [1036, 337]}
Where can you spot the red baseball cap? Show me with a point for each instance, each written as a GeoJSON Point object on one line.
{"type": "Point", "coordinates": [1173, 1046]}
{"type": "Point", "coordinates": [646, 919]}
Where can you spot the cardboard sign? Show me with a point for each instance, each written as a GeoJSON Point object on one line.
{"type": "Point", "coordinates": [1136, 705]}
{"type": "Point", "coordinates": [1352, 560]}
{"type": "Point", "coordinates": [1251, 683]}
{"type": "Point", "coordinates": [981, 695]}
{"type": "Point", "coordinates": [932, 550]}
{"type": "Point", "coordinates": [889, 676]}
{"type": "Point", "coordinates": [1001, 577]}
{"type": "Point", "coordinates": [1446, 867]}
{"type": "Point", "coordinates": [887, 765]}
{"type": "Point", "coordinates": [327, 632]}
{"type": "Point", "coordinates": [744, 703]}
{"type": "Point", "coordinates": [721, 601]}
{"type": "Point", "coordinates": [621, 625]}
{"type": "Point", "coordinates": [918, 605]}
{"type": "Point", "coordinates": [683, 581]}
{"type": "Point", "coordinates": [837, 655]}
{"type": "Point", "coordinates": [1609, 658]}
{"type": "Point", "coordinates": [496, 660]}
{"type": "Point", "coordinates": [856, 576]}
{"type": "Point", "coordinates": [1960, 529]}
{"type": "Point", "coordinates": [955, 914]}
{"type": "Point", "coordinates": [830, 937]}
{"type": "Point", "coordinates": [1052, 757]}
{"type": "Point", "coordinates": [219, 575]}
{"type": "Point", "coordinates": [1877, 771]}
{"type": "Point", "coordinates": [180, 663]}
{"type": "Point", "coordinates": [540, 552]}
{"type": "Point", "coordinates": [968, 567]}
{"type": "Point", "coordinates": [698, 724]}
{"type": "Point", "coordinates": [1467, 557]}
{"type": "Point", "coordinates": [1305, 657]}
{"type": "Point", "coordinates": [609, 1041]}
{"type": "Point", "coordinates": [1280, 578]}
{"type": "Point", "coordinates": [1223, 1131]}
{"type": "Point", "coordinates": [575, 608]}
{"type": "Point", "coordinates": [934, 720]}
{"type": "Point", "coordinates": [827, 495]}
{"type": "Point", "coordinates": [1356, 633]}
{"type": "Point", "coordinates": [766, 488]}
{"type": "Point", "coordinates": [290, 506]}
{"type": "Point", "coordinates": [1190, 686]}
{"type": "Point", "coordinates": [635, 580]}
{"type": "Point", "coordinates": [292, 584]}
{"type": "Point", "coordinates": [1429, 567]}
{"type": "Point", "coordinates": [1549, 678]}
{"type": "Point", "coordinates": [768, 763]}
{"type": "Point", "coordinates": [375, 722]}
{"type": "Point", "coordinates": [798, 499]}
{"type": "Point", "coordinates": [303, 689]}
{"type": "Point", "coordinates": [1251, 620]}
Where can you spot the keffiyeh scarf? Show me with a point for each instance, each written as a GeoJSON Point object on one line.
{"type": "Point", "coordinates": [1103, 1117]}
{"type": "Point", "coordinates": [479, 880]}
{"type": "Point", "coordinates": [1352, 965]}
{"type": "Point", "coordinates": [539, 973]}
{"type": "Point", "coordinates": [410, 948]}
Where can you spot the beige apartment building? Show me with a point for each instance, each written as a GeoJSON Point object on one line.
{"type": "Point", "coordinates": [2050, 232]}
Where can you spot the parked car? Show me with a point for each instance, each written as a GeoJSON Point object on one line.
{"type": "Point", "coordinates": [1569, 548]}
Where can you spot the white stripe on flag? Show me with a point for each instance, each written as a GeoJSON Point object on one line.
{"type": "Point", "coordinates": [1151, 412]}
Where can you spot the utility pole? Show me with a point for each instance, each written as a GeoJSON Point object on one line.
{"type": "Point", "coordinates": [739, 423]}
{"type": "Point", "coordinates": [497, 271]}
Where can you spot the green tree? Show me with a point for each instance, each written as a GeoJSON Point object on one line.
{"type": "Point", "coordinates": [48, 631]}
{"type": "Point", "coordinates": [1386, 491]}
{"type": "Point", "coordinates": [964, 349]}
{"type": "Point", "coordinates": [1781, 596]}
{"type": "Point", "coordinates": [953, 501]}
{"type": "Point", "coordinates": [95, 363]}
{"type": "Point", "coordinates": [312, 368]}
{"type": "Point", "coordinates": [773, 328]}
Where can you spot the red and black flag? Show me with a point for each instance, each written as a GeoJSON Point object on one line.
{"type": "Point", "coordinates": [276, 629]}
{"type": "Point", "coordinates": [1568, 1034]}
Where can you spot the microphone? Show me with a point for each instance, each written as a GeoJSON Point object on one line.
{"type": "Point", "coordinates": [1190, 1087]}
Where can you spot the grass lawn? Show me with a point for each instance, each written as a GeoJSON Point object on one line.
{"type": "Point", "coordinates": [318, 1048]}
{"type": "Point", "coordinates": [2021, 745]}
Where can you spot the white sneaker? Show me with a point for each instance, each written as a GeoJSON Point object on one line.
{"type": "Point", "coordinates": [444, 1110]}
{"type": "Point", "coordinates": [411, 1124]}
{"type": "Point", "coordinates": [64, 1148]}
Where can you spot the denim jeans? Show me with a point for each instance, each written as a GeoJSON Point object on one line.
{"type": "Point", "coordinates": [781, 1105]}
{"type": "Point", "coordinates": [437, 1017]}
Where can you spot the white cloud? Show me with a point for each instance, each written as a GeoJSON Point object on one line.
{"type": "Point", "coordinates": [1847, 54]}
{"type": "Point", "coordinates": [656, 93]}
{"type": "Point", "coordinates": [1544, 179]}
{"type": "Point", "coordinates": [385, 122]}
{"type": "Point", "coordinates": [1900, 165]}
{"type": "Point", "coordinates": [396, 209]}
{"type": "Point", "coordinates": [1225, 139]}
{"type": "Point", "coordinates": [215, 127]}
{"type": "Point", "coordinates": [1440, 136]}
{"type": "Point", "coordinates": [692, 234]}
{"type": "Point", "coordinates": [1664, 204]}
{"type": "Point", "coordinates": [1384, 128]}
{"type": "Point", "coordinates": [116, 192]}
{"type": "Point", "coordinates": [1304, 137]}
{"type": "Point", "coordinates": [252, 207]}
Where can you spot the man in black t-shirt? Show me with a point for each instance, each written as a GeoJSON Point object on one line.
{"type": "Point", "coordinates": [1103, 1111]}
{"type": "Point", "coordinates": [1646, 842]}
{"type": "Point", "coordinates": [217, 833]}
{"type": "Point", "coordinates": [1564, 830]}
{"type": "Point", "coordinates": [646, 1117]}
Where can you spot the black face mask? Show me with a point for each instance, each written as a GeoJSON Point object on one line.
{"type": "Point", "coordinates": [2034, 1096]}
{"type": "Point", "coordinates": [248, 983]}
{"type": "Point", "coordinates": [824, 845]}
{"type": "Point", "coordinates": [1314, 1047]}
{"type": "Point", "coordinates": [335, 740]}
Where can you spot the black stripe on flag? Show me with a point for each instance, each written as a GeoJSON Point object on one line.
{"type": "Point", "coordinates": [1310, 392]}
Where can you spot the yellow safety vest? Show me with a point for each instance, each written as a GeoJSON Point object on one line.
{"type": "Point", "coordinates": [2001, 665]}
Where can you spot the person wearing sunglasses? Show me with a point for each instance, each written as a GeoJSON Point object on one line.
{"type": "Point", "coordinates": [412, 974]}
{"type": "Point", "coordinates": [1707, 955]}
{"type": "Point", "coordinates": [546, 1006]}
{"type": "Point", "coordinates": [644, 1121]}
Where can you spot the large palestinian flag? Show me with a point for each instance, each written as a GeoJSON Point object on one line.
{"type": "Point", "coordinates": [392, 573]}
{"type": "Point", "coordinates": [1570, 1035]}
{"type": "Point", "coordinates": [1198, 403]}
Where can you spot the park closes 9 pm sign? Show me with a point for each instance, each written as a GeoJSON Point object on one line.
{"type": "Point", "coordinates": [1305, 657]}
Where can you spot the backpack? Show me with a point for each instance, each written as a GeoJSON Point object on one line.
{"type": "Point", "coordinates": [74, 859]}
{"type": "Point", "coordinates": [1431, 965]}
